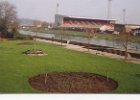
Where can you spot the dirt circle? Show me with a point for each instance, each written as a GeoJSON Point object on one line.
{"type": "Point", "coordinates": [35, 52]}
{"type": "Point", "coordinates": [72, 82]}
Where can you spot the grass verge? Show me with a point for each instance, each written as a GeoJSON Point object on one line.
{"type": "Point", "coordinates": [16, 68]}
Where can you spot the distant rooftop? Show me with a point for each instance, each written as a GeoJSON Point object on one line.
{"type": "Point", "coordinates": [128, 24]}
{"type": "Point", "coordinates": [90, 18]}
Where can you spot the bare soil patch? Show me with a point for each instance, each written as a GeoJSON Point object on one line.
{"type": "Point", "coordinates": [73, 82]}
{"type": "Point", "coordinates": [34, 52]}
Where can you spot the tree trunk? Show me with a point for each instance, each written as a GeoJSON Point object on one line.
{"type": "Point", "coordinates": [88, 42]}
{"type": "Point", "coordinates": [61, 40]}
{"type": "Point", "coordinates": [46, 78]}
{"type": "Point", "coordinates": [126, 50]}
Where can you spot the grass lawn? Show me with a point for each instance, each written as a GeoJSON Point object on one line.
{"type": "Point", "coordinates": [16, 68]}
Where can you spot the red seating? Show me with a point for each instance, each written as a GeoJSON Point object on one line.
{"type": "Point", "coordinates": [86, 22]}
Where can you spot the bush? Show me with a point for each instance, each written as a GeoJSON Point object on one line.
{"type": "Point", "coordinates": [24, 37]}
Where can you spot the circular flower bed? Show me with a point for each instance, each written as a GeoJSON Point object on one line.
{"type": "Point", "coordinates": [72, 82]}
{"type": "Point", "coordinates": [35, 52]}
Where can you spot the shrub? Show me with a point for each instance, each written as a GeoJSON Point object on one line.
{"type": "Point", "coordinates": [24, 37]}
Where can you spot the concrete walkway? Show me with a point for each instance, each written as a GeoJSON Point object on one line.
{"type": "Point", "coordinates": [90, 51]}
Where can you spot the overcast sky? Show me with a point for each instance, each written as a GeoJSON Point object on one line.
{"type": "Point", "coordinates": [45, 9]}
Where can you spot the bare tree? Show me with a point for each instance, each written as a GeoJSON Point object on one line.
{"type": "Point", "coordinates": [125, 38]}
{"type": "Point", "coordinates": [8, 18]}
{"type": "Point", "coordinates": [37, 23]}
{"type": "Point", "coordinates": [91, 34]}
{"type": "Point", "coordinates": [45, 24]}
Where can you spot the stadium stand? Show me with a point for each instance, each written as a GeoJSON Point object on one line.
{"type": "Point", "coordinates": [72, 22]}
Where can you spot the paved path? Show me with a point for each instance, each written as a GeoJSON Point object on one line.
{"type": "Point", "coordinates": [90, 51]}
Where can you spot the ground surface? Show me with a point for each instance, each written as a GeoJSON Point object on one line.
{"type": "Point", "coordinates": [90, 51]}
{"type": "Point", "coordinates": [16, 68]}
{"type": "Point", "coordinates": [72, 82]}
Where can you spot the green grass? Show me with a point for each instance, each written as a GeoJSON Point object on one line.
{"type": "Point", "coordinates": [16, 68]}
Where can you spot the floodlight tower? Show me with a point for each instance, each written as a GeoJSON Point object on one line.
{"type": "Point", "coordinates": [57, 8]}
{"type": "Point", "coordinates": [124, 15]}
{"type": "Point", "coordinates": [109, 9]}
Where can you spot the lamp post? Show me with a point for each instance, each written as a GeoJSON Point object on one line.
{"type": "Point", "coordinates": [57, 8]}
{"type": "Point", "coordinates": [124, 15]}
{"type": "Point", "coordinates": [109, 9]}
